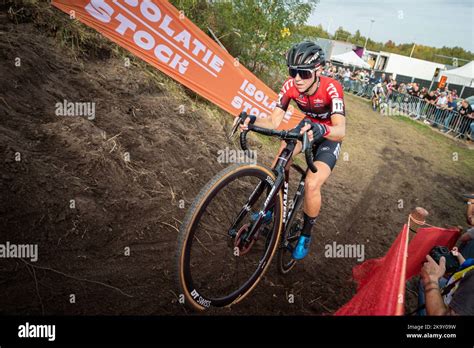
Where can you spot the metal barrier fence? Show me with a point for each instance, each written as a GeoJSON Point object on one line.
{"type": "Point", "coordinates": [467, 91]}
{"type": "Point", "coordinates": [358, 88]}
{"type": "Point", "coordinates": [449, 121]}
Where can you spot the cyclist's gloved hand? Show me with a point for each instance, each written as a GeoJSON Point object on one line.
{"type": "Point", "coordinates": [316, 131]}
{"type": "Point", "coordinates": [319, 131]}
{"type": "Point", "coordinates": [245, 120]}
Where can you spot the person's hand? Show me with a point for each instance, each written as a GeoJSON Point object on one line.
{"type": "Point", "coordinates": [458, 255]}
{"type": "Point", "coordinates": [245, 125]}
{"type": "Point", "coordinates": [305, 128]}
{"type": "Point", "coordinates": [315, 131]}
{"type": "Point", "coordinates": [431, 271]}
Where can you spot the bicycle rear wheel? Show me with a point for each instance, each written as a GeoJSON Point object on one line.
{"type": "Point", "coordinates": [216, 267]}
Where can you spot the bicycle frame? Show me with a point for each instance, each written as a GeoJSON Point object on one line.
{"type": "Point", "coordinates": [281, 183]}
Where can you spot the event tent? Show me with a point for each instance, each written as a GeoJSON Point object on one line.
{"type": "Point", "coordinates": [350, 58]}
{"type": "Point", "coordinates": [463, 76]}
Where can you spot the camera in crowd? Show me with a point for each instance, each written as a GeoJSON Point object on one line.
{"type": "Point", "coordinates": [452, 263]}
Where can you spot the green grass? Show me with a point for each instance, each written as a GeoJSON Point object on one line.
{"type": "Point", "coordinates": [443, 142]}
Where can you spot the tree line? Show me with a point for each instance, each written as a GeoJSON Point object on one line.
{"type": "Point", "coordinates": [259, 32]}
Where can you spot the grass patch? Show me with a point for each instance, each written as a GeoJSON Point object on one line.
{"type": "Point", "coordinates": [465, 155]}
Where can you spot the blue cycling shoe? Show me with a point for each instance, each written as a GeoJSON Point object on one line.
{"type": "Point", "coordinates": [302, 247]}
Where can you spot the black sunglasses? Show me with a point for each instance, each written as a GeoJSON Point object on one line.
{"type": "Point", "coordinates": [304, 73]}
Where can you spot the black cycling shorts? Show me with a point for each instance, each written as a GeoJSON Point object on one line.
{"type": "Point", "coordinates": [325, 150]}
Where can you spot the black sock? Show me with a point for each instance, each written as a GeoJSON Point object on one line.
{"type": "Point", "coordinates": [308, 224]}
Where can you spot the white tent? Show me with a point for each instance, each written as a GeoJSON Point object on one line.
{"type": "Point", "coordinates": [350, 58]}
{"type": "Point", "coordinates": [463, 76]}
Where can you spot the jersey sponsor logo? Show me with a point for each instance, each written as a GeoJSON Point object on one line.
{"type": "Point", "coordinates": [287, 85]}
{"type": "Point", "coordinates": [317, 100]}
{"type": "Point", "coordinates": [313, 115]}
{"type": "Point", "coordinates": [332, 91]}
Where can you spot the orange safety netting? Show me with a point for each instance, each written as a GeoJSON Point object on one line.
{"type": "Point", "coordinates": [381, 282]}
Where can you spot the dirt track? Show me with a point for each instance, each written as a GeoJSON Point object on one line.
{"type": "Point", "coordinates": [136, 204]}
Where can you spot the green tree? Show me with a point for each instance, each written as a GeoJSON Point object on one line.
{"type": "Point", "coordinates": [254, 31]}
{"type": "Point", "coordinates": [341, 34]}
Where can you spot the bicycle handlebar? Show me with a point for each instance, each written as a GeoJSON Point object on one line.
{"type": "Point", "coordinates": [284, 135]}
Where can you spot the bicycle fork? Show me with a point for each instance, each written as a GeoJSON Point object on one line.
{"type": "Point", "coordinates": [277, 185]}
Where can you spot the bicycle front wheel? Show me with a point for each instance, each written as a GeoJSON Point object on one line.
{"type": "Point", "coordinates": [216, 267]}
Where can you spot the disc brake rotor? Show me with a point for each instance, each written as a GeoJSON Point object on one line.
{"type": "Point", "coordinates": [239, 242]}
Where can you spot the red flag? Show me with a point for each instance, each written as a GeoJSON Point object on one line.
{"type": "Point", "coordinates": [424, 240]}
{"type": "Point", "coordinates": [381, 282]}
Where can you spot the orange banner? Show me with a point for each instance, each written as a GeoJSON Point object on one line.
{"type": "Point", "coordinates": [164, 37]}
{"type": "Point", "coordinates": [442, 81]}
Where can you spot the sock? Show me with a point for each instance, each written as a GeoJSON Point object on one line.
{"type": "Point", "coordinates": [308, 224]}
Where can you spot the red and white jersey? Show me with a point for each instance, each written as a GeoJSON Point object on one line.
{"type": "Point", "coordinates": [326, 101]}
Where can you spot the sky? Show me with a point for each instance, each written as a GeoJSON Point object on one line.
{"type": "Point", "coordinates": [435, 23]}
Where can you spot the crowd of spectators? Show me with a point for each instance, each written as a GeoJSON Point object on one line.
{"type": "Point", "coordinates": [438, 107]}
{"type": "Point", "coordinates": [450, 292]}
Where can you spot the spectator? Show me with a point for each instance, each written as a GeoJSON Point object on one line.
{"type": "Point", "coordinates": [340, 73]}
{"type": "Point", "coordinates": [459, 300]}
{"type": "Point", "coordinates": [423, 93]}
{"type": "Point", "coordinates": [467, 239]}
{"type": "Point", "coordinates": [381, 79]}
{"type": "Point", "coordinates": [347, 79]}
{"type": "Point", "coordinates": [421, 107]}
{"type": "Point", "coordinates": [361, 79]}
{"type": "Point", "coordinates": [390, 86]}
{"type": "Point", "coordinates": [372, 78]}
{"type": "Point", "coordinates": [402, 88]}
{"type": "Point", "coordinates": [414, 103]}
{"type": "Point", "coordinates": [441, 104]}
{"type": "Point", "coordinates": [468, 119]}
{"type": "Point", "coordinates": [455, 94]}
{"type": "Point", "coordinates": [430, 99]}
{"type": "Point", "coordinates": [414, 90]}
{"type": "Point", "coordinates": [450, 107]}
{"type": "Point", "coordinates": [354, 80]}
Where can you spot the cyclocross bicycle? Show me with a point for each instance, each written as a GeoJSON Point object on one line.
{"type": "Point", "coordinates": [236, 224]}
